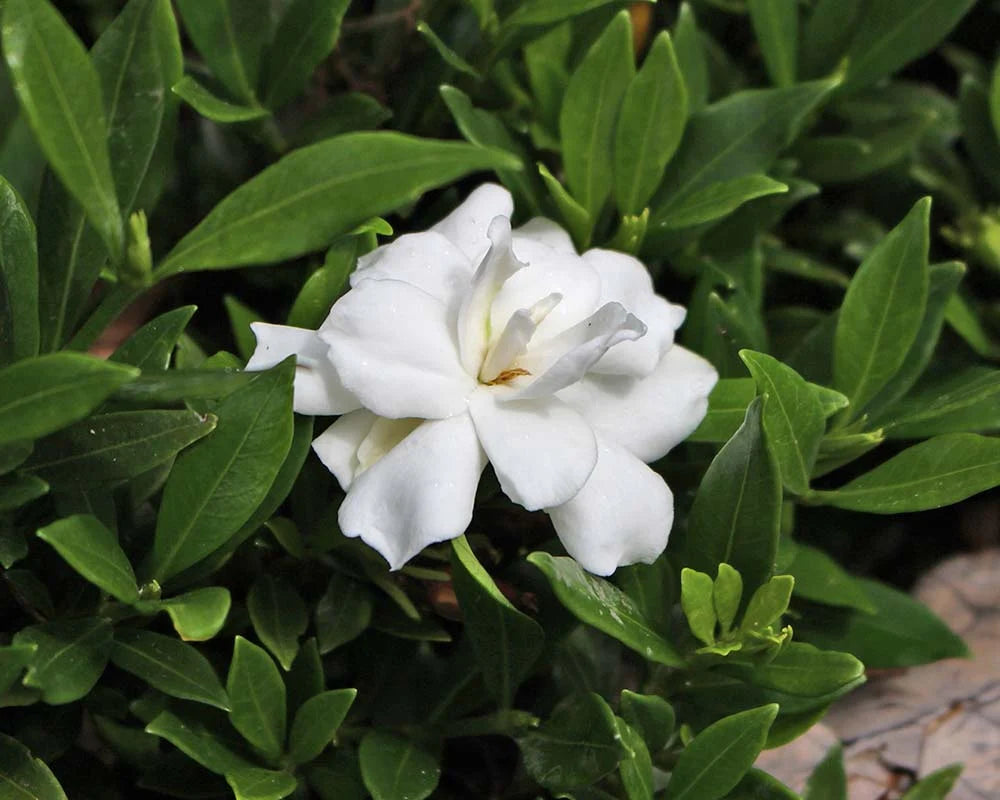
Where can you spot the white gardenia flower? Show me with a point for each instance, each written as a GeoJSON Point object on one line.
{"type": "Point", "coordinates": [471, 344]}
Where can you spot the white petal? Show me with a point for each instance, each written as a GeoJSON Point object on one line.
{"type": "Point", "coordinates": [625, 280]}
{"type": "Point", "coordinates": [545, 231]}
{"type": "Point", "coordinates": [542, 450]}
{"type": "Point", "coordinates": [422, 491]}
{"type": "Point", "coordinates": [622, 515]}
{"type": "Point", "coordinates": [513, 342]}
{"type": "Point", "coordinates": [467, 225]}
{"type": "Point", "coordinates": [318, 389]}
{"type": "Point", "coordinates": [337, 447]}
{"type": "Point", "coordinates": [393, 347]}
{"type": "Point", "coordinates": [427, 260]}
{"type": "Point", "coordinates": [473, 314]}
{"type": "Point", "coordinates": [650, 415]}
{"type": "Point", "coordinates": [566, 358]}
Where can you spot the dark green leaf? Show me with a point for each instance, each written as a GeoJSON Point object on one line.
{"type": "Point", "coordinates": [241, 317]}
{"type": "Point", "coordinates": [337, 776]}
{"type": "Point", "coordinates": [173, 667]}
{"type": "Point", "coordinates": [758, 785]}
{"type": "Point", "coordinates": [60, 93]}
{"type": "Point", "coordinates": [216, 485]}
{"type": "Point", "coordinates": [307, 33]}
{"type": "Point", "coordinates": [213, 107]}
{"type": "Point", "coordinates": [691, 57]}
{"type": "Point", "coordinates": [197, 742]}
{"type": "Point", "coordinates": [720, 755]}
{"type": "Point", "coordinates": [279, 616]}
{"type": "Point", "coordinates": [737, 510]}
{"type": "Point", "coordinates": [650, 126]}
{"type": "Point", "coordinates": [342, 113]}
{"type": "Point", "coordinates": [935, 786]}
{"type": "Point", "coordinates": [19, 490]}
{"type": "Point", "coordinates": [296, 205]}
{"type": "Point", "coordinates": [149, 348]}
{"type": "Point", "coordinates": [41, 395]}
{"type": "Point", "coordinates": [324, 286]}
{"type": "Point", "coordinates": [827, 34]}
{"type": "Point", "coordinates": [577, 745]}
{"type": "Point", "coordinates": [507, 642]}
{"type": "Point", "coordinates": [589, 112]}
{"type": "Point", "coordinates": [447, 53]}
{"type": "Point", "coordinates": [636, 768]}
{"type": "Point", "coordinates": [93, 551]}
{"type": "Point", "coordinates": [822, 580]}
{"type": "Point", "coordinates": [776, 23]}
{"type": "Point", "coordinates": [13, 454]}
{"type": "Point", "coordinates": [727, 407]}
{"type": "Point", "coordinates": [257, 695]}
{"type": "Point", "coordinates": [343, 612]}
{"type": "Point", "coordinates": [200, 614]}
{"type": "Point", "coordinates": [254, 783]}
{"type": "Point", "coordinates": [111, 448]}
{"type": "Point", "coordinates": [882, 311]}
{"type": "Point", "coordinates": [651, 715]}
{"type": "Point", "coordinates": [24, 777]}
{"type": "Point", "coordinates": [603, 606]}
{"type": "Point", "coordinates": [653, 588]}
{"type": "Point", "coordinates": [544, 12]}
{"type": "Point", "coordinates": [158, 388]}
{"type": "Point", "coordinates": [829, 780]}
{"type": "Point", "coordinates": [800, 669]}
{"type": "Point", "coordinates": [966, 401]}
{"type": "Point", "coordinates": [14, 659]}
{"type": "Point", "coordinates": [316, 723]}
{"type": "Point", "coordinates": [718, 199]}
{"type": "Point", "coordinates": [18, 278]}
{"type": "Point", "coordinates": [69, 658]}
{"type": "Point", "coordinates": [394, 768]}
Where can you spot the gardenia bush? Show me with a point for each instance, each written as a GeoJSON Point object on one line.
{"type": "Point", "coordinates": [478, 398]}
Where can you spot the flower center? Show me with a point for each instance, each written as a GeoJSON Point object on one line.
{"type": "Point", "coordinates": [500, 364]}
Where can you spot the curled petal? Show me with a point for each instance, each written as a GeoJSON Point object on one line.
{"type": "Point", "coordinates": [467, 225]}
{"type": "Point", "coordinates": [337, 447]}
{"type": "Point", "coordinates": [651, 415]}
{"type": "Point", "coordinates": [542, 450]}
{"type": "Point", "coordinates": [544, 231]}
{"type": "Point", "coordinates": [419, 493]}
{"type": "Point", "coordinates": [621, 516]}
{"type": "Point", "coordinates": [318, 388]}
{"type": "Point", "coordinates": [392, 346]}
{"type": "Point", "coordinates": [513, 342]}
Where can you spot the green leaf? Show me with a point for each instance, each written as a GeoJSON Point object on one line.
{"type": "Point", "coordinates": [603, 606]}
{"type": "Point", "coordinates": [296, 206]}
{"type": "Point", "coordinates": [19, 335]}
{"type": "Point", "coordinates": [696, 600]}
{"type": "Point", "coordinates": [13, 661]}
{"type": "Point", "coordinates": [719, 199]}
{"type": "Point", "coordinates": [650, 715]}
{"type": "Point", "coordinates": [343, 612]}
{"type": "Point", "coordinates": [447, 54]}
{"type": "Point", "coordinates": [636, 768]}
{"type": "Point", "coordinates": [776, 23]}
{"type": "Point", "coordinates": [882, 311]}
{"type": "Point", "coordinates": [257, 694]}
{"type": "Point", "coordinates": [306, 35]}
{"type": "Point", "coordinates": [200, 614]}
{"type": "Point", "coordinates": [19, 490]}
{"type": "Point", "coordinates": [93, 551]}
{"type": "Point", "coordinates": [532, 13]}
{"type": "Point", "coordinates": [241, 317]}
{"type": "Point", "coordinates": [767, 604]}
{"type": "Point", "coordinates": [802, 670]}
{"type": "Point", "coordinates": [727, 407]}
{"type": "Point", "coordinates": [736, 513]}
{"type": "Point", "coordinates": [254, 783]}
{"type": "Point", "coordinates": [173, 667]}
{"type": "Point", "coordinates": [962, 318]}
{"type": "Point", "coordinates": [960, 402]}
{"type": "Point", "coordinates": [758, 785]}
{"type": "Point", "coordinates": [995, 98]}
{"type": "Point", "coordinates": [41, 395]}
{"type": "Point", "coordinates": [720, 755]}
{"type": "Point", "coordinates": [935, 786]}
{"type": "Point", "coordinates": [507, 642]}
{"type": "Point", "coordinates": [822, 580]}
{"type": "Point", "coordinates": [231, 36]}
{"type": "Point", "coordinates": [574, 216]}
{"type": "Point", "coordinates": [691, 57]}
{"type": "Point", "coordinates": [901, 633]}
{"type": "Point", "coordinates": [727, 594]}
{"type": "Point", "coordinates": [305, 679]}
{"type": "Point", "coordinates": [324, 286]}
{"type": "Point", "coordinates": [217, 484]}
{"type": "Point", "coordinates": [893, 33]}
{"type": "Point", "coordinates": [173, 386]}
{"type": "Point", "coordinates": [394, 768]}
{"type": "Point", "coordinates": [577, 745]}
{"type": "Point", "coordinates": [349, 111]}
{"type": "Point", "coordinates": [316, 723]}
{"type": "Point", "coordinates": [938, 472]}
{"type": "Point", "coordinates": [826, 35]}
{"type": "Point", "coordinates": [111, 448]}
{"type": "Point", "coordinates": [24, 777]}
{"type": "Point", "coordinates": [828, 780]}
{"type": "Point", "coordinates": [213, 107]}
{"type": "Point", "coordinates": [793, 418]}
{"type": "Point", "coordinates": [650, 125]}
{"type": "Point", "coordinates": [70, 656]}
{"type": "Point", "coordinates": [589, 112]}
{"type": "Point", "coordinates": [150, 347]}
{"type": "Point", "coordinates": [279, 617]}
{"type": "Point", "coordinates": [653, 588]}
{"type": "Point", "coordinates": [197, 742]}
{"type": "Point", "coordinates": [60, 94]}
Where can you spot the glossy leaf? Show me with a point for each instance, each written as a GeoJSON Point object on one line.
{"type": "Point", "coordinates": [636, 768]}
{"type": "Point", "coordinates": [110, 448]}
{"type": "Point", "coordinates": [719, 199]}
{"type": "Point", "coordinates": [279, 617]}
{"type": "Point", "coordinates": [42, 395]}
{"type": "Point", "coordinates": [69, 658]}
{"type": "Point", "coordinates": [296, 206]}
{"type": "Point", "coordinates": [23, 776]}
{"type": "Point", "coordinates": [150, 347]}
{"type": "Point", "coordinates": [19, 335]}
{"type": "Point", "coordinates": [199, 614]}
{"type": "Point", "coordinates": [394, 768]}
{"type": "Point", "coordinates": [173, 667]}
{"type": "Point", "coordinates": [650, 715]}
{"type": "Point", "coordinates": [324, 286]}
{"type": "Point", "coordinates": [727, 408]}
{"type": "Point", "coordinates": [60, 94]}
{"type": "Point", "coordinates": [736, 513]}
{"type": "Point", "coordinates": [93, 551]}
{"type": "Point", "coordinates": [217, 484]}
{"type": "Point", "coordinates": [213, 107]}
{"type": "Point", "coordinates": [197, 742]}
{"type": "Point", "coordinates": [589, 112]}
{"type": "Point", "coordinates": [720, 755]}
{"type": "Point", "coordinates": [507, 642]}
{"type": "Point", "coordinates": [968, 400]}
{"type": "Point", "coordinates": [603, 606]}
{"type": "Point", "coordinates": [650, 125]}
{"type": "Point", "coordinates": [802, 670]}
{"type": "Point", "coordinates": [776, 24]}
{"type": "Point", "coordinates": [316, 723]}
{"type": "Point", "coordinates": [257, 695]}
{"type": "Point", "coordinates": [254, 783]}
